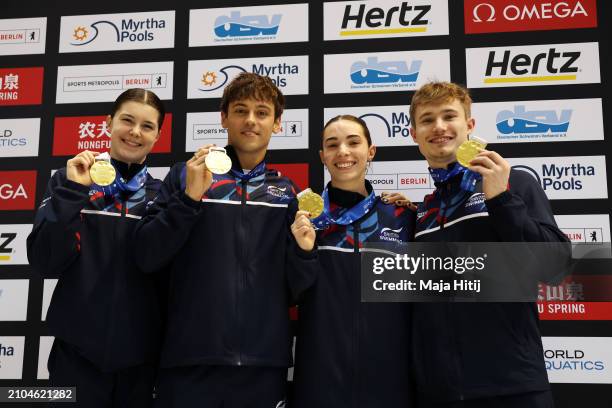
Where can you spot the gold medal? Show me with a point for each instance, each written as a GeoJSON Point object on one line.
{"type": "Point", "coordinates": [311, 202]}
{"type": "Point", "coordinates": [102, 173]}
{"type": "Point", "coordinates": [469, 149]}
{"type": "Point", "coordinates": [217, 160]}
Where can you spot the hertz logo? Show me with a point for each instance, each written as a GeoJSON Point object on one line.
{"type": "Point", "coordinates": [5, 239]}
{"type": "Point", "coordinates": [546, 66]}
{"type": "Point", "coordinates": [377, 20]}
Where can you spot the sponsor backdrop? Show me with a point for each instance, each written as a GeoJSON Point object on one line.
{"type": "Point", "coordinates": [537, 70]}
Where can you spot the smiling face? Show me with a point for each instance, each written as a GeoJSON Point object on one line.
{"type": "Point", "coordinates": [250, 124]}
{"type": "Point", "coordinates": [346, 154]}
{"type": "Point", "coordinates": [439, 129]}
{"type": "Point", "coordinates": [134, 130]}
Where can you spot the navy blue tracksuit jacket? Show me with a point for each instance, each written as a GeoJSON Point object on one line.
{"type": "Point", "coordinates": [477, 350]}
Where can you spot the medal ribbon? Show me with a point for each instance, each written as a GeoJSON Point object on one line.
{"type": "Point", "coordinates": [120, 185]}
{"type": "Point", "coordinates": [343, 216]}
{"type": "Point", "coordinates": [256, 171]}
{"type": "Point", "coordinates": [468, 182]}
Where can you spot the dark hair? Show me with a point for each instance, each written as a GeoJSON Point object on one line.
{"type": "Point", "coordinates": [248, 85]}
{"type": "Point", "coordinates": [359, 121]}
{"type": "Point", "coordinates": [143, 96]}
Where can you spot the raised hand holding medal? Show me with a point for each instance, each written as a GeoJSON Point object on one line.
{"type": "Point", "coordinates": [77, 168]}
{"type": "Point", "coordinates": [470, 149]}
{"type": "Point", "coordinates": [217, 160]}
{"type": "Point", "coordinates": [102, 171]}
{"type": "Point", "coordinates": [310, 202]}
{"type": "Point", "coordinates": [310, 206]}
{"type": "Point", "coordinates": [199, 176]}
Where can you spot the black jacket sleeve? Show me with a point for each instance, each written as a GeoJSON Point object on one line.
{"type": "Point", "coordinates": [167, 223]}
{"type": "Point", "coordinates": [523, 214]}
{"type": "Point", "coordinates": [53, 243]}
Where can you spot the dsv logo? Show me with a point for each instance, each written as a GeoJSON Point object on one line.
{"type": "Point", "coordinates": [384, 72]}
{"type": "Point", "coordinates": [532, 122]}
{"type": "Point", "coordinates": [486, 12]}
{"type": "Point", "coordinates": [247, 26]}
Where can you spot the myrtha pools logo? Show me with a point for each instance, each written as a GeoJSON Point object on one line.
{"type": "Point", "coordinates": [213, 80]}
{"type": "Point", "coordinates": [129, 30]}
{"type": "Point", "coordinates": [237, 26]}
{"type": "Point", "coordinates": [533, 123]}
{"type": "Point", "coordinates": [384, 72]}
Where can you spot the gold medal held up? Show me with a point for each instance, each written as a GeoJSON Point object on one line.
{"type": "Point", "coordinates": [217, 160]}
{"type": "Point", "coordinates": [469, 149]}
{"type": "Point", "coordinates": [310, 201]}
{"type": "Point", "coordinates": [102, 171]}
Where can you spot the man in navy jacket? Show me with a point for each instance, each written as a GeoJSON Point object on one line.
{"type": "Point", "coordinates": [475, 354]}
{"type": "Point", "coordinates": [226, 240]}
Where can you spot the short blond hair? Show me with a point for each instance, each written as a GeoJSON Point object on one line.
{"type": "Point", "coordinates": [440, 92]}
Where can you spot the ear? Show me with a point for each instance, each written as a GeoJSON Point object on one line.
{"type": "Point", "coordinates": [321, 157]}
{"type": "Point", "coordinates": [277, 125]}
{"type": "Point", "coordinates": [413, 134]}
{"type": "Point", "coordinates": [223, 120]}
{"type": "Point", "coordinates": [371, 152]}
{"type": "Point", "coordinates": [471, 124]}
{"type": "Point", "coordinates": [109, 121]}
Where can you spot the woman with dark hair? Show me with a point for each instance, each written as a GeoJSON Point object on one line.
{"type": "Point", "coordinates": [350, 354]}
{"type": "Point", "coordinates": [104, 313]}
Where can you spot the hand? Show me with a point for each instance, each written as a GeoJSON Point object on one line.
{"type": "Point", "coordinates": [495, 171]}
{"type": "Point", "coordinates": [199, 178]}
{"type": "Point", "coordinates": [398, 199]}
{"type": "Point", "coordinates": [303, 231]}
{"type": "Point", "coordinates": [77, 168]}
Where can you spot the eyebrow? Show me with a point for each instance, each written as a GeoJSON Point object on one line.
{"type": "Point", "coordinates": [243, 105]}
{"type": "Point", "coordinates": [336, 137]}
{"type": "Point", "coordinates": [132, 117]}
{"type": "Point", "coordinates": [444, 111]}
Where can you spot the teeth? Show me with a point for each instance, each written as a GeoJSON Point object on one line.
{"type": "Point", "coordinates": [440, 139]}
{"type": "Point", "coordinates": [344, 165]}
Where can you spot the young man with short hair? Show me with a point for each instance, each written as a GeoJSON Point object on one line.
{"type": "Point", "coordinates": [226, 241]}
{"type": "Point", "coordinates": [475, 354]}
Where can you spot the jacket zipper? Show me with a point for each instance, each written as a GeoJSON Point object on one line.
{"type": "Point", "coordinates": [446, 192]}
{"type": "Point", "coordinates": [356, 325]}
{"type": "Point", "coordinates": [107, 351]}
{"type": "Point", "coordinates": [243, 272]}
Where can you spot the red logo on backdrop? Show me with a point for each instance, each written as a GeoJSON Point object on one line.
{"type": "Point", "coordinates": [73, 134]}
{"type": "Point", "coordinates": [575, 310]}
{"type": "Point", "coordinates": [298, 172]}
{"type": "Point", "coordinates": [17, 190]}
{"type": "Point", "coordinates": [492, 16]}
{"type": "Point", "coordinates": [577, 297]}
{"type": "Point", "coordinates": [21, 86]}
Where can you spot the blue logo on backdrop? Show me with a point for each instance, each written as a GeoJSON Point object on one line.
{"type": "Point", "coordinates": [213, 80]}
{"type": "Point", "coordinates": [399, 126]}
{"type": "Point", "coordinates": [560, 177]}
{"type": "Point", "coordinates": [522, 121]}
{"type": "Point", "coordinates": [7, 139]}
{"type": "Point", "coordinates": [130, 31]}
{"type": "Point", "coordinates": [247, 26]}
{"type": "Point", "coordinates": [385, 72]}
